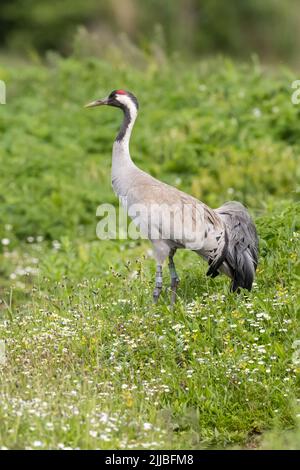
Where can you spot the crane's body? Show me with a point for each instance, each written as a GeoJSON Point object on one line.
{"type": "Point", "coordinates": [171, 219]}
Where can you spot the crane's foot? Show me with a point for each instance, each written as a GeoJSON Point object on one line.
{"type": "Point", "coordinates": [174, 285]}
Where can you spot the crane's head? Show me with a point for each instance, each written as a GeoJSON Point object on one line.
{"type": "Point", "coordinates": [119, 99]}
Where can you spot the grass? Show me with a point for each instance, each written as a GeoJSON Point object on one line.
{"type": "Point", "coordinates": [91, 362]}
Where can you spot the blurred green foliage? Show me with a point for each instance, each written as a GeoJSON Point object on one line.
{"type": "Point", "coordinates": [269, 28]}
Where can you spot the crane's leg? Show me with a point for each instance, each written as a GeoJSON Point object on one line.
{"type": "Point", "coordinates": [174, 276]}
{"type": "Point", "coordinates": [158, 283]}
{"type": "Point", "coordinates": [161, 251]}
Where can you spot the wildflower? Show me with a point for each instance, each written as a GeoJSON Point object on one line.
{"type": "Point", "coordinates": [256, 112]}
{"type": "Point", "coordinates": [177, 327]}
{"type": "Point", "coordinates": [56, 244]}
{"type": "Point", "coordinates": [147, 426]}
{"type": "Point", "coordinates": [37, 444]}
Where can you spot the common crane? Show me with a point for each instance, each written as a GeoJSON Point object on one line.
{"type": "Point", "coordinates": [225, 237]}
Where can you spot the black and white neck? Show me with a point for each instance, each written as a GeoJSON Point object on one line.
{"type": "Point", "coordinates": [129, 105]}
{"type": "Point", "coordinates": [122, 164]}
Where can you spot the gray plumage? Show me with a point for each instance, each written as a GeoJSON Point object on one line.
{"type": "Point", "coordinates": [225, 237]}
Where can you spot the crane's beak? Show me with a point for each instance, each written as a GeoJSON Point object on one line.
{"type": "Point", "coordinates": [97, 103]}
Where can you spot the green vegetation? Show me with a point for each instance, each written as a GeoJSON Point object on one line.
{"type": "Point", "coordinates": [91, 363]}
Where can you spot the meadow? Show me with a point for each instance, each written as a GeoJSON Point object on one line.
{"type": "Point", "coordinates": [90, 361]}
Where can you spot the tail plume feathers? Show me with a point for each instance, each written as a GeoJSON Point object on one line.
{"type": "Point", "coordinates": [244, 271]}
{"type": "Point", "coordinates": [242, 248]}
